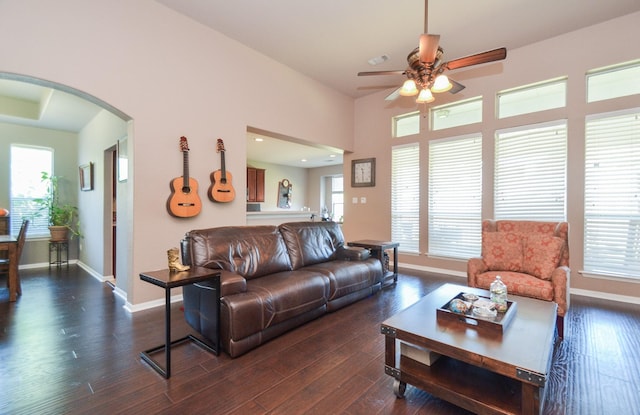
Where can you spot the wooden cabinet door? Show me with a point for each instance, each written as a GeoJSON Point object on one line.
{"type": "Point", "coordinates": [255, 185]}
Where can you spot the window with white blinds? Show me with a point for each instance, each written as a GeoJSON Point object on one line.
{"type": "Point", "coordinates": [455, 196]}
{"type": "Point", "coordinates": [612, 195]}
{"type": "Point", "coordinates": [405, 197]}
{"type": "Point", "coordinates": [530, 172]}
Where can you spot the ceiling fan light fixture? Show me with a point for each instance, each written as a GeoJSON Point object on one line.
{"type": "Point", "coordinates": [441, 84]}
{"type": "Point", "coordinates": [409, 88]}
{"type": "Point", "coordinates": [425, 97]}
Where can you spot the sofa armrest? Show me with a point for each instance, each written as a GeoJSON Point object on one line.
{"type": "Point", "coordinates": [475, 267]}
{"type": "Point", "coordinates": [352, 253]}
{"type": "Point", "coordinates": [231, 283]}
{"type": "Point", "coordinates": [560, 278]}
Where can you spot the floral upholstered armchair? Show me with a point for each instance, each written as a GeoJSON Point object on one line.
{"type": "Point", "coordinates": [532, 258]}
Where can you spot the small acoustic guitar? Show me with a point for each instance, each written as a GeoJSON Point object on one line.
{"type": "Point", "coordinates": [221, 189]}
{"type": "Point", "coordinates": [184, 201]}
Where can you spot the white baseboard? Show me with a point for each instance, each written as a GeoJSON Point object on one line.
{"type": "Point", "coordinates": [134, 308]}
{"type": "Point", "coordinates": [573, 291]}
{"type": "Point", "coordinates": [605, 296]}
{"type": "Point", "coordinates": [434, 270]}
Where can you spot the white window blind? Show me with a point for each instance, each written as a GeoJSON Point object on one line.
{"type": "Point", "coordinates": [612, 195]}
{"type": "Point", "coordinates": [27, 165]}
{"type": "Point", "coordinates": [530, 172]}
{"type": "Point", "coordinates": [405, 197]}
{"type": "Point", "coordinates": [455, 196]}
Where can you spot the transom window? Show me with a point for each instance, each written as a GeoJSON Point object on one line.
{"type": "Point", "coordinates": [456, 114]}
{"type": "Point", "coordinates": [532, 98]}
{"type": "Point", "coordinates": [613, 82]}
{"type": "Point", "coordinates": [406, 124]}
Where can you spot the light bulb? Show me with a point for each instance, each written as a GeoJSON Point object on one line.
{"type": "Point", "coordinates": [425, 97]}
{"type": "Point", "coordinates": [408, 88]}
{"type": "Point", "coordinates": [441, 84]}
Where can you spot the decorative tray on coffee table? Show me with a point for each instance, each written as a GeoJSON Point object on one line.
{"type": "Point", "coordinates": [490, 322]}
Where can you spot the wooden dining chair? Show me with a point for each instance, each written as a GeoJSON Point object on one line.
{"type": "Point", "coordinates": [5, 263]}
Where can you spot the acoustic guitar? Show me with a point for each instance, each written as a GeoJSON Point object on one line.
{"type": "Point", "coordinates": [221, 189]}
{"type": "Point", "coordinates": [184, 201]}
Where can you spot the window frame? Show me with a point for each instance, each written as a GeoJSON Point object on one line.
{"type": "Point", "coordinates": [39, 221]}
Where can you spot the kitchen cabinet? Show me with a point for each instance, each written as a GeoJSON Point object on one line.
{"type": "Point", "coordinates": [255, 184]}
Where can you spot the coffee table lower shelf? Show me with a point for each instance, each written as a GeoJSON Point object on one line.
{"type": "Point", "coordinates": [470, 387]}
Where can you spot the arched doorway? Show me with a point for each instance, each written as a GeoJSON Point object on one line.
{"type": "Point", "coordinates": [31, 104]}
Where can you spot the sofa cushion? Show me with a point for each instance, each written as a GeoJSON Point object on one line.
{"type": "Point", "coordinates": [346, 277]}
{"type": "Point", "coordinates": [310, 243]}
{"type": "Point", "coordinates": [541, 255]}
{"type": "Point", "coordinates": [248, 251]}
{"type": "Point", "coordinates": [275, 298]}
{"type": "Point", "coordinates": [502, 251]}
{"type": "Point", "coordinates": [518, 284]}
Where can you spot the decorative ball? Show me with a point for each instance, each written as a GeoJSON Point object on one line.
{"type": "Point", "coordinates": [458, 306]}
{"type": "Point", "coordinates": [4, 212]}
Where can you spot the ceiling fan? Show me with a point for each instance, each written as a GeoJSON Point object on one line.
{"type": "Point", "coordinates": [425, 73]}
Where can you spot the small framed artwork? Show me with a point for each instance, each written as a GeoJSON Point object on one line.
{"type": "Point", "coordinates": [86, 177]}
{"type": "Point", "coordinates": [123, 160]}
{"type": "Point", "coordinates": [363, 172]}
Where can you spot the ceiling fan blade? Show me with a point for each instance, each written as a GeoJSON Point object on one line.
{"type": "Point", "coordinates": [457, 87]}
{"type": "Point", "coordinates": [484, 57]}
{"type": "Point", "coordinates": [382, 73]}
{"type": "Point", "coordinates": [428, 47]}
{"type": "Point", "coordinates": [392, 96]}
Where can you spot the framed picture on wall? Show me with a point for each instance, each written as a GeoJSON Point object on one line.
{"type": "Point", "coordinates": [86, 177]}
{"type": "Point", "coordinates": [363, 172]}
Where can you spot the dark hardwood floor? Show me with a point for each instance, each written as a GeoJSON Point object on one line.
{"type": "Point", "coordinates": [67, 346]}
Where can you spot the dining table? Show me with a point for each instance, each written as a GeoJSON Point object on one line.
{"type": "Point", "coordinates": [10, 244]}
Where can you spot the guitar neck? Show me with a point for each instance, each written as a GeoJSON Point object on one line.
{"type": "Point", "coordinates": [185, 169]}
{"type": "Point", "coordinates": [223, 169]}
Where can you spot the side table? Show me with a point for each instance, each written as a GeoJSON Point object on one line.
{"type": "Point", "coordinates": [171, 279]}
{"type": "Point", "coordinates": [61, 250]}
{"type": "Point", "coordinates": [377, 249]}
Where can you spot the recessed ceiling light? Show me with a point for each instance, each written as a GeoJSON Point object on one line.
{"type": "Point", "coordinates": [304, 160]}
{"type": "Point", "coordinates": [378, 60]}
{"type": "Point", "coordinates": [258, 139]}
{"type": "Point", "coordinates": [332, 155]}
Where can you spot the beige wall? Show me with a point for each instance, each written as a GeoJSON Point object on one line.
{"type": "Point", "coordinates": [570, 55]}
{"type": "Point", "coordinates": [172, 77]}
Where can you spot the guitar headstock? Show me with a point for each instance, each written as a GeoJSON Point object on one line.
{"type": "Point", "coordinates": [184, 145]}
{"type": "Point", "coordinates": [220, 145]}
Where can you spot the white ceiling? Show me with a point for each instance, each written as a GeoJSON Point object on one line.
{"type": "Point", "coordinates": [332, 40]}
{"type": "Point", "coordinates": [40, 106]}
{"type": "Point", "coordinates": [289, 152]}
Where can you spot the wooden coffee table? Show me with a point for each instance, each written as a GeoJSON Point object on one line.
{"type": "Point", "coordinates": [483, 372]}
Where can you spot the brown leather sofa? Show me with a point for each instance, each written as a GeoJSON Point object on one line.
{"type": "Point", "coordinates": [274, 278]}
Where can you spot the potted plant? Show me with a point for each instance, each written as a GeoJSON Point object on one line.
{"type": "Point", "coordinates": [63, 218]}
